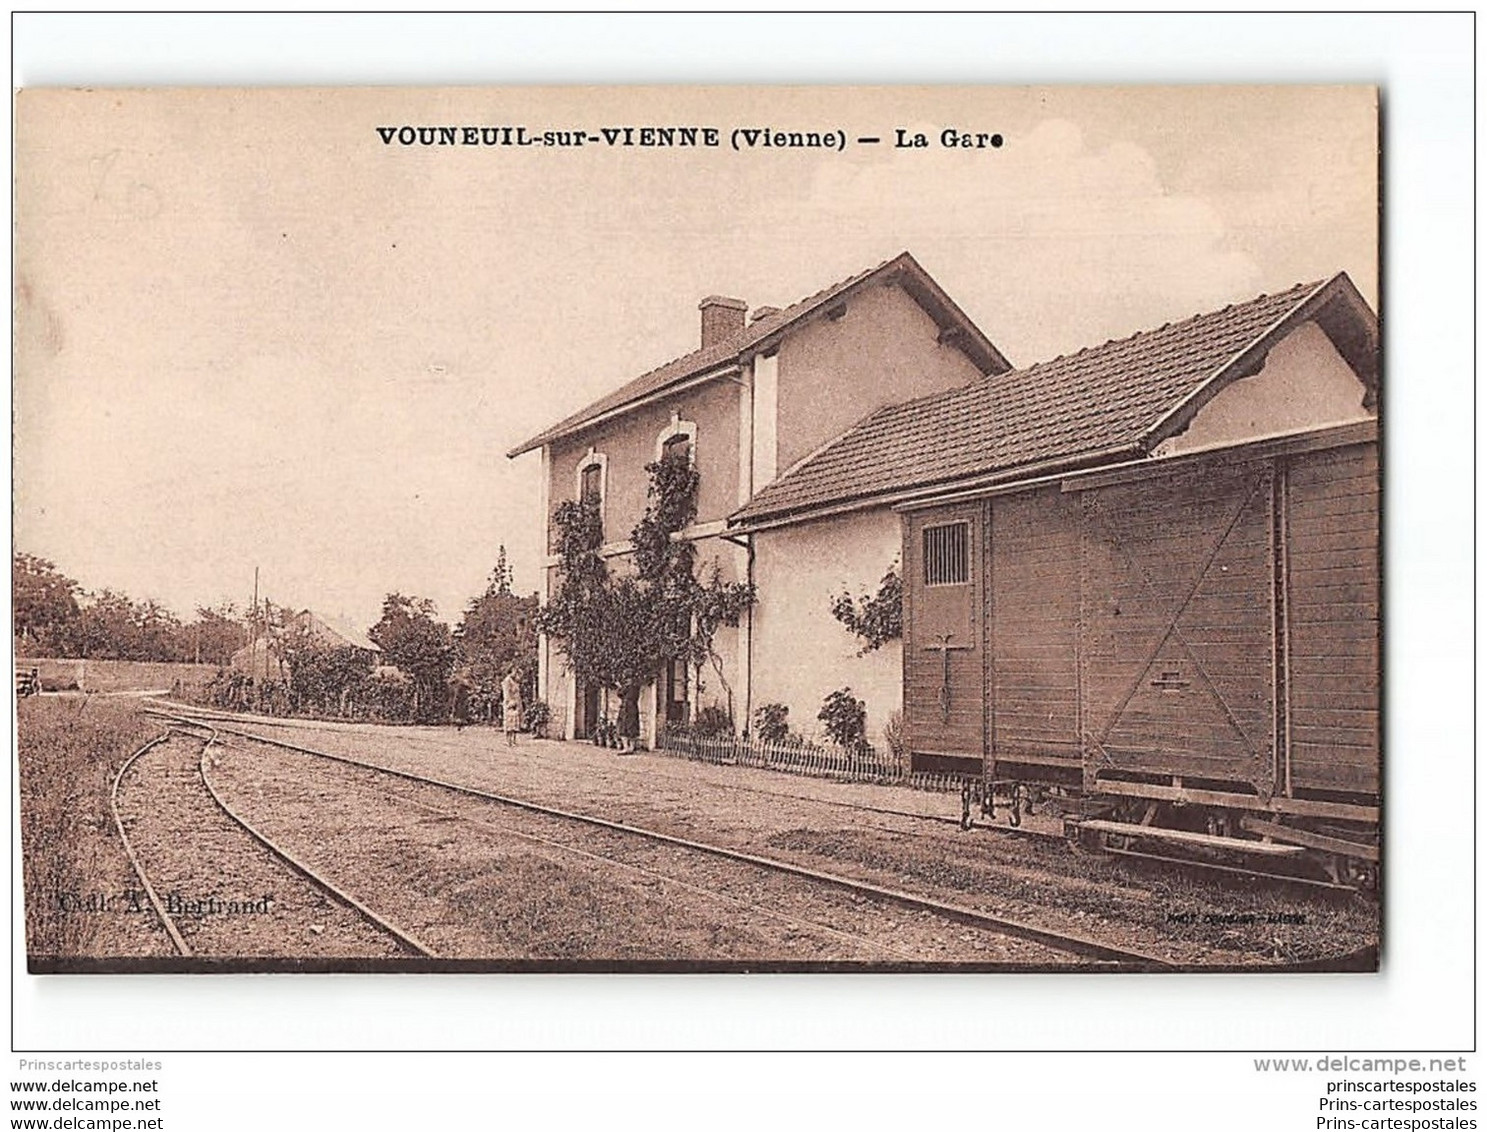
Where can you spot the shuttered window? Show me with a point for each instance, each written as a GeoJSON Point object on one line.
{"type": "Point", "coordinates": [947, 554]}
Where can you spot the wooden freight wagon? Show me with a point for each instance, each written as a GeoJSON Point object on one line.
{"type": "Point", "coordinates": [1193, 640]}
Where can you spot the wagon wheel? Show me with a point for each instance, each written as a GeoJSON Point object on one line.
{"type": "Point", "coordinates": [1353, 872]}
{"type": "Point", "coordinates": [1072, 836]}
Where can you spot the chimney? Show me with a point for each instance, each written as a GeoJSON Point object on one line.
{"type": "Point", "coordinates": [722, 318]}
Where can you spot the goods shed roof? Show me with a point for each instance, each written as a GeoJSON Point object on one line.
{"type": "Point", "coordinates": [1112, 401]}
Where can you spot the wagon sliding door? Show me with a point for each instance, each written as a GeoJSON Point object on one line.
{"type": "Point", "coordinates": [1177, 661]}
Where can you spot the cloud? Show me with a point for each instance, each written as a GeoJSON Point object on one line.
{"type": "Point", "coordinates": [1054, 241]}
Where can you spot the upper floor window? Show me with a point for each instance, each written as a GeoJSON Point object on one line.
{"type": "Point", "coordinates": [677, 441]}
{"type": "Point", "coordinates": [589, 479]}
{"type": "Point", "coordinates": [947, 554]}
{"type": "Point", "coordinates": [677, 448]}
{"type": "Point", "coordinates": [590, 487]}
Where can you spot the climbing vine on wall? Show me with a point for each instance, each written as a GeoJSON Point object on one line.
{"type": "Point", "coordinates": [620, 632]}
{"type": "Point", "coordinates": [876, 618]}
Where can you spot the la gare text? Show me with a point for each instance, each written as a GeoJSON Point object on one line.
{"type": "Point", "coordinates": [684, 137]}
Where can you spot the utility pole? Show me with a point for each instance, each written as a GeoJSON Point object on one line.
{"type": "Point", "coordinates": [253, 630]}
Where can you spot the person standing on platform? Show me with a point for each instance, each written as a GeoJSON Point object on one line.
{"type": "Point", "coordinates": [511, 704]}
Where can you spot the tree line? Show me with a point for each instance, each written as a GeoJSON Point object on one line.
{"type": "Point", "coordinates": [55, 617]}
{"type": "Point", "coordinates": [427, 670]}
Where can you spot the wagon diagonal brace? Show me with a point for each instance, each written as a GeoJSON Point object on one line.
{"type": "Point", "coordinates": [1171, 632]}
{"type": "Point", "coordinates": [1075, 944]}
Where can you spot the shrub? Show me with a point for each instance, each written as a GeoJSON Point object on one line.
{"type": "Point", "coordinates": [877, 619]}
{"type": "Point", "coordinates": [228, 689]}
{"type": "Point", "coordinates": [538, 716]}
{"type": "Point", "coordinates": [711, 722]}
{"type": "Point", "coordinates": [845, 717]}
{"type": "Point", "coordinates": [896, 740]}
{"type": "Point", "coordinates": [772, 723]}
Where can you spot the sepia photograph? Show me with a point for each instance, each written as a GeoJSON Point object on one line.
{"type": "Point", "coordinates": [699, 529]}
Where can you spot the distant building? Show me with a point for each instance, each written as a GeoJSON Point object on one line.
{"type": "Point", "coordinates": [267, 657]}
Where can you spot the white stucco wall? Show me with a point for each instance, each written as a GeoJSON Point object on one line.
{"type": "Point", "coordinates": [800, 651]}
{"type": "Point", "coordinates": [1305, 383]}
{"type": "Point", "coordinates": [883, 350]}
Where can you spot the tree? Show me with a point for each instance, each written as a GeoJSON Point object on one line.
{"type": "Point", "coordinates": [620, 633]}
{"type": "Point", "coordinates": [158, 633]}
{"type": "Point", "coordinates": [44, 603]}
{"type": "Point", "coordinates": [500, 579]}
{"type": "Point", "coordinates": [106, 627]}
{"type": "Point", "coordinates": [216, 634]}
{"type": "Point", "coordinates": [53, 614]}
{"type": "Point", "coordinates": [322, 678]}
{"type": "Point", "coordinates": [496, 634]}
{"type": "Point", "coordinates": [422, 647]}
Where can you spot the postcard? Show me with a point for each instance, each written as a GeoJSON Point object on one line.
{"type": "Point", "coordinates": [699, 529]}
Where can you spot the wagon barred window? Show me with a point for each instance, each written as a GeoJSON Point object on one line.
{"type": "Point", "coordinates": [947, 556]}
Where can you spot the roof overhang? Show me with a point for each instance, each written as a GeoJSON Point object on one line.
{"type": "Point", "coordinates": [934, 490]}
{"type": "Point", "coordinates": [1073, 474]}
{"type": "Point", "coordinates": [727, 370]}
{"type": "Point", "coordinates": [1341, 313]}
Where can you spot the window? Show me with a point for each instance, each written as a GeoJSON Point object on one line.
{"type": "Point", "coordinates": [947, 554]}
{"type": "Point", "coordinates": [677, 441]}
{"type": "Point", "coordinates": [590, 484]}
{"type": "Point", "coordinates": [678, 447]}
{"type": "Point", "coordinates": [589, 478]}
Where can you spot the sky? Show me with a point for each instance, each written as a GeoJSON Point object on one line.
{"type": "Point", "coordinates": [251, 334]}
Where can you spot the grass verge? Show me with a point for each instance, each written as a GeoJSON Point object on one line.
{"type": "Point", "coordinates": [69, 749]}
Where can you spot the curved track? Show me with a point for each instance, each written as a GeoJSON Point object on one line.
{"type": "Point", "coordinates": [184, 727]}
{"type": "Point", "coordinates": [181, 946]}
{"type": "Point", "coordinates": [1069, 943]}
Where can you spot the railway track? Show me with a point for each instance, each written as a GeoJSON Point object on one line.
{"type": "Point", "coordinates": [1231, 873]}
{"type": "Point", "coordinates": [1069, 944]}
{"type": "Point", "coordinates": [791, 920]}
{"type": "Point", "coordinates": [183, 839]}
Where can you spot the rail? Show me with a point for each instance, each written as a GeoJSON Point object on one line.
{"type": "Point", "coordinates": [1069, 942]}
{"type": "Point", "coordinates": [181, 945]}
{"type": "Point", "coordinates": [406, 938]}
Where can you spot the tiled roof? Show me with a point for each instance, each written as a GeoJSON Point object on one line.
{"type": "Point", "coordinates": [721, 353]}
{"type": "Point", "coordinates": [336, 632]}
{"type": "Point", "coordinates": [1104, 397]}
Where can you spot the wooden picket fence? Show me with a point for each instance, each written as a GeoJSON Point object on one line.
{"type": "Point", "coordinates": [864, 764]}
